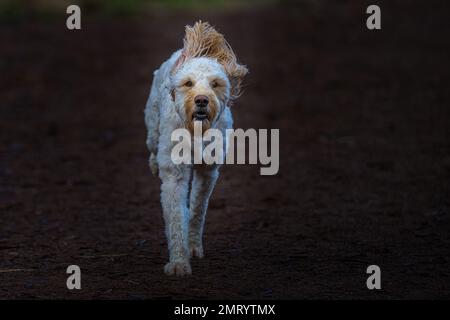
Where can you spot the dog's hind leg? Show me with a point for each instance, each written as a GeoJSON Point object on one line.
{"type": "Point", "coordinates": [204, 179]}
{"type": "Point", "coordinates": [152, 123]}
{"type": "Point", "coordinates": [174, 189]}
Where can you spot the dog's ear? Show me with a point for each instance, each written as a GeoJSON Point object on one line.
{"type": "Point", "coordinates": [236, 73]}
{"type": "Point", "coordinates": [181, 59]}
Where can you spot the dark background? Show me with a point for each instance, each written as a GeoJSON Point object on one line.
{"type": "Point", "coordinates": [364, 148]}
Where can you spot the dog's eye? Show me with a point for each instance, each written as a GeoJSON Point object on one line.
{"type": "Point", "coordinates": [188, 84]}
{"type": "Point", "coordinates": [214, 84]}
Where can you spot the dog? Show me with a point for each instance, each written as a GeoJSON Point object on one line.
{"type": "Point", "coordinates": [196, 85]}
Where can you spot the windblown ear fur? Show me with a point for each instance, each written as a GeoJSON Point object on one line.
{"type": "Point", "coordinates": [181, 59]}
{"type": "Point", "coordinates": [202, 40]}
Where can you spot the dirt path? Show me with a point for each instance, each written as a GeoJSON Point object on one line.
{"type": "Point", "coordinates": [365, 158]}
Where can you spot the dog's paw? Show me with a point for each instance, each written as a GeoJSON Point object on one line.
{"type": "Point", "coordinates": [196, 251]}
{"type": "Point", "coordinates": [178, 268]}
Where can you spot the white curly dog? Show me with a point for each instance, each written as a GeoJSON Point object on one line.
{"type": "Point", "coordinates": [197, 83]}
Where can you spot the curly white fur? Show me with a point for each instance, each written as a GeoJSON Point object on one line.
{"type": "Point", "coordinates": [186, 188]}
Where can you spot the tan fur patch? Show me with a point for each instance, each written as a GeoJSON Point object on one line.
{"type": "Point", "coordinates": [189, 106]}
{"type": "Point", "coordinates": [202, 40]}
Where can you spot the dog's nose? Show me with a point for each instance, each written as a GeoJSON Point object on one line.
{"type": "Point", "coordinates": [201, 101]}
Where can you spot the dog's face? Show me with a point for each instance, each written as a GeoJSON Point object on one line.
{"type": "Point", "coordinates": [200, 90]}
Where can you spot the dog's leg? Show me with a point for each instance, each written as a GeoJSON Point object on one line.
{"type": "Point", "coordinates": [174, 191]}
{"type": "Point", "coordinates": [203, 183]}
{"type": "Point", "coordinates": [152, 123]}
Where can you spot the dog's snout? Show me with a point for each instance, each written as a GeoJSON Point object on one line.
{"type": "Point", "coordinates": [201, 101]}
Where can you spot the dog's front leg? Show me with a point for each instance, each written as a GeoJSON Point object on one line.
{"type": "Point", "coordinates": [174, 193]}
{"type": "Point", "coordinates": [204, 179]}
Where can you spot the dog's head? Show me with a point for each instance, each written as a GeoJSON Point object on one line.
{"type": "Point", "coordinates": [201, 89]}
{"type": "Point", "coordinates": [206, 77]}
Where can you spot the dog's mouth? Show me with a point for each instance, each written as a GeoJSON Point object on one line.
{"type": "Point", "coordinates": [200, 115]}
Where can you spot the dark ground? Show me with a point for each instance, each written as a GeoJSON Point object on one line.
{"type": "Point", "coordinates": [365, 157]}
